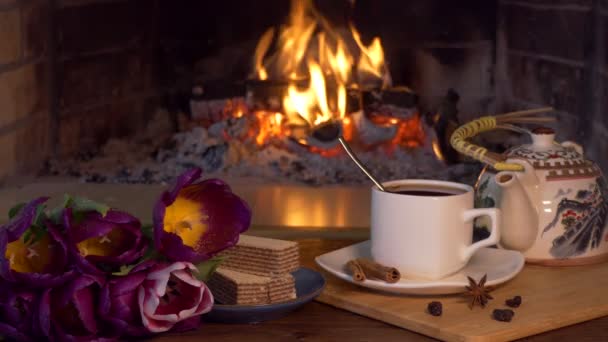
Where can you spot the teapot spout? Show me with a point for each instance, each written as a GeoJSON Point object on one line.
{"type": "Point", "coordinates": [519, 216]}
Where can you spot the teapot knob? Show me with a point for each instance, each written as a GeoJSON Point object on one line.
{"type": "Point", "coordinates": [543, 137]}
{"type": "Point", "coordinates": [571, 144]}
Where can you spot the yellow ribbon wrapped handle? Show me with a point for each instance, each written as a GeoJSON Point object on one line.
{"type": "Point", "coordinates": [459, 142]}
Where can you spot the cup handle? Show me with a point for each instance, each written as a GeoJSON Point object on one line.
{"type": "Point", "coordinates": [494, 237]}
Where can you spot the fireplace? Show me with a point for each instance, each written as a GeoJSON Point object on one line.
{"type": "Point", "coordinates": [261, 90]}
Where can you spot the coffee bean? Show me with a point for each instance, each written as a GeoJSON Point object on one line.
{"type": "Point", "coordinates": [435, 308]}
{"type": "Point", "coordinates": [503, 315]}
{"type": "Point", "coordinates": [514, 302]}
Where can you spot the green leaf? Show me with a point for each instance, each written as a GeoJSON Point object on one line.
{"type": "Point", "coordinates": [207, 268]}
{"type": "Point", "coordinates": [27, 235]}
{"type": "Point", "coordinates": [67, 199]}
{"type": "Point", "coordinates": [15, 210]}
{"type": "Point", "coordinates": [124, 270]}
{"type": "Point", "coordinates": [39, 233]}
{"type": "Point", "coordinates": [78, 217]}
{"type": "Point", "coordinates": [148, 231]}
{"type": "Point", "coordinates": [150, 252]}
{"type": "Point", "coordinates": [34, 234]}
{"type": "Point", "coordinates": [40, 215]}
{"type": "Point", "coordinates": [55, 215]}
{"type": "Point", "coordinates": [84, 204]}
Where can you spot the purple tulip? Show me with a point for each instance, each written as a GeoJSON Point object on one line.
{"type": "Point", "coordinates": [68, 313]}
{"type": "Point", "coordinates": [17, 307]}
{"type": "Point", "coordinates": [23, 220]}
{"type": "Point", "coordinates": [118, 304]}
{"type": "Point", "coordinates": [37, 259]}
{"type": "Point", "coordinates": [195, 221]}
{"type": "Point", "coordinates": [171, 298]}
{"type": "Point", "coordinates": [101, 244]}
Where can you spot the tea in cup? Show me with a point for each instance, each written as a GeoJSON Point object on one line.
{"type": "Point", "coordinates": [424, 228]}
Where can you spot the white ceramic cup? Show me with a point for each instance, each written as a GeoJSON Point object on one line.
{"type": "Point", "coordinates": [427, 237]}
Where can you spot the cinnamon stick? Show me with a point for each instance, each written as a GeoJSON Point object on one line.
{"type": "Point", "coordinates": [356, 270]}
{"type": "Point", "coordinates": [375, 270]}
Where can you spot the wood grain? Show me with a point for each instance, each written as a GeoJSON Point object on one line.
{"type": "Point", "coordinates": [319, 322]}
{"type": "Point", "coordinates": [552, 298]}
{"type": "Point", "coordinates": [596, 259]}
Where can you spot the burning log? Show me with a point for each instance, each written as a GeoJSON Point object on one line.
{"type": "Point", "coordinates": [209, 105]}
{"type": "Point", "coordinates": [396, 102]}
{"type": "Point", "coordinates": [268, 95]}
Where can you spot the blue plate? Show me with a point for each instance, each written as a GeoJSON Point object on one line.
{"type": "Point", "coordinates": [309, 285]}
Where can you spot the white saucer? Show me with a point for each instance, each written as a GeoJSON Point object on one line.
{"type": "Point", "coordinates": [500, 265]}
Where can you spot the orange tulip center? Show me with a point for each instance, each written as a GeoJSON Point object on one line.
{"type": "Point", "coordinates": [111, 244]}
{"type": "Point", "coordinates": [185, 219]}
{"type": "Point", "coordinates": [33, 257]}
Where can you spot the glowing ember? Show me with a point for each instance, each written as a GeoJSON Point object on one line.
{"type": "Point", "coordinates": [410, 133]}
{"type": "Point", "coordinates": [269, 125]}
{"type": "Point", "coordinates": [347, 129]}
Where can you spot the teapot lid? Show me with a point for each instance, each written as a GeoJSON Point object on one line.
{"type": "Point", "coordinates": [563, 161]}
{"type": "Point", "coordinates": [543, 138]}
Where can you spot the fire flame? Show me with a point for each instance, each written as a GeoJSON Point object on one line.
{"type": "Point", "coordinates": [339, 62]}
{"type": "Point", "coordinates": [294, 39]}
{"type": "Point", "coordinates": [371, 62]}
{"type": "Point", "coordinates": [318, 78]}
{"type": "Point", "coordinates": [310, 104]}
{"type": "Point", "coordinates": [329, 68]}
{"type": "Point", "coordinates": [437, 149]}
{"type": "Point", "coordinates": [260, 51]}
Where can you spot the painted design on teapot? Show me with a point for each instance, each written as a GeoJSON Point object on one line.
{"type": "Point", "coordinates": [560, 163]}
{"type": "Point", "coordinates": [527, 153]}
{"type": "Point", "coordinates": [582, 219]}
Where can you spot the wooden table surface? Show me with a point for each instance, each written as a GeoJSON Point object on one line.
{"type": "Point", "coordinates": [320, 322]}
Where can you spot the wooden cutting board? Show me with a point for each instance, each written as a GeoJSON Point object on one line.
{"type": "Point", "coordinates": [551, 298]}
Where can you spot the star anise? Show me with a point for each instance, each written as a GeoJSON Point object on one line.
{"type": "Point", "coordinates": [479, 293]}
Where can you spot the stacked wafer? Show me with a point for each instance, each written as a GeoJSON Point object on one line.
{"type": "Point", "coordinates": [256, 271]}
{"type": "Point", "coordinates": [262, 256]}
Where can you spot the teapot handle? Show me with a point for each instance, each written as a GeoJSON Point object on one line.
{"type": "Point", "coordinates": [471, 129]}
{"type": "Point", "coordinates": [571, 144]}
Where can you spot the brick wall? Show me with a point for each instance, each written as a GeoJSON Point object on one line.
{"type": "Point", "coordinates": [24, 86]}
{"type": "Point", "coordinates": [118, 60]}
{"type": "Point", "coordinates": [73, 73]}
{"type": "Point", "coordinates": [599, 133]}
{"type": "Point", "coordinates": [106, 83]}
{"type": "Point", "coordinates": [553, 53]}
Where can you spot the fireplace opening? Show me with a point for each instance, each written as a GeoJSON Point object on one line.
{"type": "Point", "coordinates": [263, 90]}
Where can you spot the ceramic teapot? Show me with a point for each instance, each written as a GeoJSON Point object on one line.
{"type": "Point", "coordinates": [554, 201]}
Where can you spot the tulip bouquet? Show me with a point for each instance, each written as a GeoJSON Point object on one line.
{"type": "Point", "coordinates": [84, 271]}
